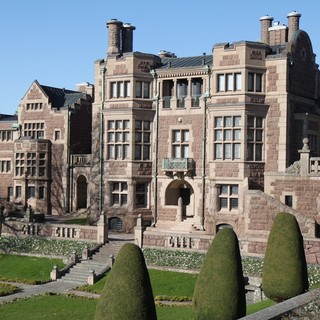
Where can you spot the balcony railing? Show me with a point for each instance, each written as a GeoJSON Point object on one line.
{"type": "Point", "coordinates": [177, 164]}
{"type": "Point", "coordinates": [180, 102]}
{"type": "Point", "coordinates": [81, 159]}
{"type": "Point", "coordinates": [315, 165]}
{"type": "Point", "coordinates": [195, 101]}
{"type": "Point", "coordinates": [166, 102]}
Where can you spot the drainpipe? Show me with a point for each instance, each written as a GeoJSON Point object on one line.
{"type": "Point", "coordinates": [67, 208]}
{"type": "Point", "coordinates": [204, 144]}
{"type": "Point", "coordinates": [156, 133]}
{"type": "Point", "coordinates": [102, 73]}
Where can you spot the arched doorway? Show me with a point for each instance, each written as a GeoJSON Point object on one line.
{"type": "Point", "coordinates": [82, 186]}
{"type": "Point", "coordinates": [183, 189]}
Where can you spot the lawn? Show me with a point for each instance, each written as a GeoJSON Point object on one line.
{"type": "Point", "coordinates": [166, 285]}
{"type": "Point", "coordinates": [26, 269]}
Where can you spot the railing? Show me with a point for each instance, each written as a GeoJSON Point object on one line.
{"type": "Point", "coordinates": [177, 164]}
{"type": "Point", "coordinates": [81, 159]}
{"type": "Point", "coordinates": [315, 165]}
{"type": "Point", "coordinates": [195, 101]}
{"type": "Point", "coordinates": [180, 102]}
{"type": "Point", "coordinates": [166, 102]}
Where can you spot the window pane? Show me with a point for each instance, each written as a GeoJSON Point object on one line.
{"type": "Point", "coordinates": [146, 137]}
{"type": "Point", "coordinates": [229, 82]}
{"type": "Point", "coordinates": [236, 134]}
{"type": "Point", "coordinates": [227, 121]}
{"type": "Point", "coordinates": [115, 199]}
{"type": "Point", "coordinates": [250, 135]}
{"type": "Point", "coordinates": [126, 151]}
{"type": "Point", "coordinates": [224, 189]}
{"type": "Point", "coordinates": [218, 122]}
{"type": "Point", "coordinates": [218, 135]}
{"type": "Point", "coordinates": [146, 153]}
{"type": "Point", "coordinates": [236, 151]}
{"type": "Point", "coordinates": [258, 135]}
{"type": "Point", "coordinates": [111, 125]}
{"type": "Point", "coordinates": [119, 137]}
{"type": "Point", "coordinates": [238, 81]}
{"type": "Point", "coordinates": [176, 136]}
{"type": "Point", "coordinates": [113, 90]}
{"type": "Point", "coordinates": [258, 82]}
{"type": "Point", "coordinates": [111, 152]}
{"type": "Point", "coordinates": [218, 151]}
{"type": "Point", "coordinates": [258, 152]}
{"type": "Point", "coordinates": [118, 151]}
{"type": "Point", "coordinates": [146, 91]}
{"type": "Point", "coordinates": [127, 89]}
{"type": "Point", "coordinates": [224, 203]}
{"type": "Point", "coordinates": [259, 122]}
{"type": "Point", "coordinates": [121, 89]}
{"type": "Point", "coordinates": [234, 190]}
{"type": "Point", "coordinates": [236, 121]}
{"type": "Point", "coordinates": [176, 152]}
{"type": "Point", "coordinates": [185, 135]}
{"type": "Point", "coordinates": [137, 155]}
{"type": "Point", "coordinates": [250, 81]}
{"type": "Point", "coordinates": [227, 151]}
{"type": "Point", "coordinates": [221, 86]}
{"type": "Point", "coordinates": [234, 203]}
{"type": "Point", "coordinates": [250, 152]}
{"type": "Point", "coordinates": [126, 124]}
{"type": "Point", "coordinates": [185, 152]}
{"type": "Point", "coordinates": [138, 137]}
{"type": "Point", "coordinates": [146, 125]}
{"type": "Point", "coordinates": [228, 135]}
{"type": "Point", "coordinates": [118, 124]}
{"type": "Point", "coordinates": [123, 199]}
{"type": "Point", "coordinates": [139, 89]}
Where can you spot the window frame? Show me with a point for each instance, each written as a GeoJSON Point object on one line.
{"type": "Point", "coordinates": [227, 137]}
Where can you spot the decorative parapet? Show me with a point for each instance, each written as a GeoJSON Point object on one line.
{"type": "Point", "coordinates": [81, 159]}
{"type": "Point", "coordinates": [176, 166]}
{"type": "Point", "coordinates": [315, 165]}
{"type": "Point", "coordinates": [183, 242]}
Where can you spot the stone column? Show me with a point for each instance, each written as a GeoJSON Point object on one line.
{"type": "Point", "coordinates": [102, 229]}
{"type": "Point", "coordinates": [179, 216]}
{"type": "Point", "coordinates": [304, 157]}
{"type": "Point", "coordinates": [138, 232]}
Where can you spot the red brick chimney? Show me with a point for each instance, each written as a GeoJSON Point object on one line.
{"type": "Point", "coordinates": [127, 37]}
{"type": "Point", "coordinates": [293, 23]}
{"type": "Point", "coordinates": [114, 36]}
{"type": "Point", "coordinates": [266, 23]}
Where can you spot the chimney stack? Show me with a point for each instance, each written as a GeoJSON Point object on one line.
{"type": "Point", "coordinates": [114, 36]}
{"type": "Point", "coordinates": [127, 37]}
{"type": "Point", "coordinates": [293, 23]}
{"type": "Point", "coordinates": [266, 23]}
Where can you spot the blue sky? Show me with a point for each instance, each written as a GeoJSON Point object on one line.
{"type": "Point", "coordinates": [57, 41]}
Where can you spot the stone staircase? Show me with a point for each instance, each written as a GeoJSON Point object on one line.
{"type": "Point", "coordinates": [78, 274]}
{"type": "Point", "coordinates": [186, 226]}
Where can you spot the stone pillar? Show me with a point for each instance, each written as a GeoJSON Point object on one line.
{"type": "Point", "coordinates": [111, 260]}
{"type": "Point", "coordinates": [266, 22]}
{"type": "Point", "coordinates": [102, 229]}
{"type": "Point", "coordinates": [138, 232]}
{"type": "Point", "coordinates": [85, 253]}
{"type": "Point", "coordinates": [73, 257]}
{"type": "Point", "coordinates": [54, 274]}
{"type": "Point", "coordinates": [179, 216]}
{"type": "Point", "coordinates": [304, 158]}
{"type": "Point", "coordinates": [92, 277]}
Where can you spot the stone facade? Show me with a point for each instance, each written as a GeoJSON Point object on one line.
{"type": "Point", "coordinates": [191, 144]}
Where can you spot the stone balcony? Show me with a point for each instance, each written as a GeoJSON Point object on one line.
{"type": "Point", "coordinates": [178, 166]}
{"type": "Point", "coordinates": [81, 160]}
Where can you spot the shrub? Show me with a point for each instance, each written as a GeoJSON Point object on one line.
{"type": "Point", "coordinates": [127, 293]}
{"type": "Point", "coordinates": [285, 272]}
{"type": "Point", "coordinates": [219, 291]}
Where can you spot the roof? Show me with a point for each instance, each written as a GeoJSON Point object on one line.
{"type": "Point", "coordinates": [8, 118]}
{"type": "Point", "coordinates": [186, 62]}
{"type": "Point", "coordinates": [60, 98]}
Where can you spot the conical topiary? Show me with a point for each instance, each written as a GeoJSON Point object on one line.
{"type": "Point", "coordinates": [285, 273]}
{"type": "Point", "coordinates": [219, 291]}
{"type": "Point", "coordinates": [127, 293]}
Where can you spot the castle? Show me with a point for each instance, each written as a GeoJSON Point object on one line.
{"type": "Point", "coordinates": [190, 144]}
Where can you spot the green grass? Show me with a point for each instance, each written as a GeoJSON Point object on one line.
{"type": "Point", "coordinates": [252, 308]}
{"type": "Point", "coordinates": [7, 288]}
{"type": "Point", "coordinates": [50, 308]}
{"type": "Point", "coordinates": [26, 269]}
